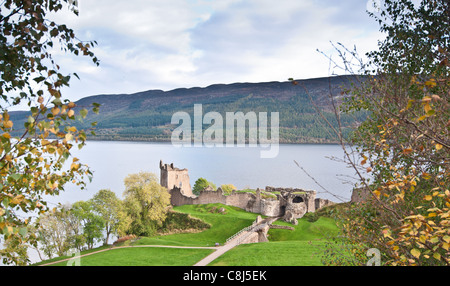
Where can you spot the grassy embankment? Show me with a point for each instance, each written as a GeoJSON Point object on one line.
{"type": "Point", "coordinates": [286, 247]}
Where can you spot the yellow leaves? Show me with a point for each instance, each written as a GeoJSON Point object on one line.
{"type": "Point", "coordinates": [377, 193]}
{"type": "Point", "coordinates": [408, 106]}
{"type": "Point", "coordinates": [401, 195]}
{"type": "Point", "coordinates": [426, 176]}
{"type": "Point", "coordinates": [55, 111]}
{"type": "Point", "coordinates": [68, 137]}
{"type": "Point", "coordinates": [70, 113]}
{"type": "Point", "coordinates": [431, 83]}
{"type": "Point", "coordinates": [364, 161]}
{"type": "Point", "coordinates": [17, 200]}
{"type": "Point", "coordinates": [437, 256]}
{"type": "Point", "coordinates": [53, 185]}
{"type": "Point", "coordinates": [74, 166]}
{"type": "Point", "coordinates": [2, 211]}
{"type": "Point", "coordinates": [438, 147]}
{"type": "Point", "coordinates": [446, 239]}
{"type": "Point", "coordinates": [427, 108]}
{"type": "Point", "coordinates": [387, 233]}
{"type": "Point", "coordinates": [421, 118]}
{"type": "Point", "coordinates": [8, 124]}
{"type": "Point", "coordinates": [426, 99]}
{"type": "Point", "coordinates": [436, 97]}
{"type": "Point", "coordinates": [415, 252]}
{"type": "Point", "coordinates": [73, 129]}
{"type": "Point", "coordinates": [430, 215]}
{"type": "Point", "coordinates": [407, 151]}
{"type": "Point", "coordinates": [428, 198]}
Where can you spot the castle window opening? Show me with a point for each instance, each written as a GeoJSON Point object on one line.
{"type": "Point", "coordinates": [297, 200]}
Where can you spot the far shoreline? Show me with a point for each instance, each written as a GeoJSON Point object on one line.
{"type": "Point", "coordinates": [169, 142]}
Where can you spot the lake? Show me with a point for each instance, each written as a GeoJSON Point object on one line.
{"type": "Point", "coordinates": [243, 167]}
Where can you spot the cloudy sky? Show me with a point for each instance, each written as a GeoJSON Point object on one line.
{"type": "Point", "coordinates": [166, 44]}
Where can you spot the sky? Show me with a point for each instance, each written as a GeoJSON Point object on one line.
{"type": "Point", "coordinates": [168, 44]}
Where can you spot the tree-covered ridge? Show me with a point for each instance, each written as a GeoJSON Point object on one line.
{"type": "Point", "coordinates": [147, 115]}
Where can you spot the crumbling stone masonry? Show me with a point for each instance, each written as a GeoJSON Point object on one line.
{"type": "Point", "coordinates": [288, 203]}
{"type": "Point", "coordinates": [173, 177]}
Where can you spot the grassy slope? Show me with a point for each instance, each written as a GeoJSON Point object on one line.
{"type": "Point", "coordinates": [222, 226]}
{"type": "Point", "coordinates": [286, 247]}
{"type": "Point", "coordinates": [301, 247]}
{"type": "Point", "coordinates": [141, 256]}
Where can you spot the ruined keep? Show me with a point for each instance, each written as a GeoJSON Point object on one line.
{"type": "Point", "coordinates": [288, 203]}
{"type": "Point", "coordinates": [171, 177]}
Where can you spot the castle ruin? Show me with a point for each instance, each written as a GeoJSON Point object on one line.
{"type": "Point", "coordinates": [288, 203]}
{"type": "Point", "coordinates": [172, 177]}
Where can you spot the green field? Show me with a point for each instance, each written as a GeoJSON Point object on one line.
{"type": "Point", "coordinates": [144, 256]}
{"type": "Point", "coordinates": [298, 247]}
{"type": "Point", "coordinates": [222, 226]}
{"type": "Point", "coordinates": [286, 253]}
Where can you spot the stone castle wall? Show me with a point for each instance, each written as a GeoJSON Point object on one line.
{"type": "Point", "coordinates": [291, 203]}
{"type": "Point", "coordinates": [240, 200]}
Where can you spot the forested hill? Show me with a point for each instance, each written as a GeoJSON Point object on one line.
{"type": "Point", "coordinates": [147, 115]}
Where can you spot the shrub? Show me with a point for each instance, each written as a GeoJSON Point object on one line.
{"type": "Point", "coordinates": [125, 238]}
{"type": "Point", "coordinates": [311, 217]}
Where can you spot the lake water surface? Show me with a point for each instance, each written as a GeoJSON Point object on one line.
{"type": "Point", "coordinates": [241, 166]}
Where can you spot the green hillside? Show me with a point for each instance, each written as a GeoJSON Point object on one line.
{"type": "Point", "coordinates": [147, 115]}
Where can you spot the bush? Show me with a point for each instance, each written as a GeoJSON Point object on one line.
{"type": "Point", "coordinates": [180, 221]}
{"type": "Point", "coordinates": [311, 217]}
{"type": "Point", "coordinates": [201, 184]}
{"type": "Point", "coordinates": [125, 238]}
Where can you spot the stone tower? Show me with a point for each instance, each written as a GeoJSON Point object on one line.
{"type": "Point", "coordinates": [173, 177]}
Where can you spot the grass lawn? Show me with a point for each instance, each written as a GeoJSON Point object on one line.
{"type": "Point", "coordinates": [322, 228]}
{"type": "Point", "coordinates": [144, 256]}
{"type": "Point", "coordinates": [299, 247]}
{"type": "Point", "coordinates": [222, 226]}
{"type": "Point", "coordinates": [279, 253]}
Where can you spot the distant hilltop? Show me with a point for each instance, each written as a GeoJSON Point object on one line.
{"type": "Point", "coordinates": [146, 116]}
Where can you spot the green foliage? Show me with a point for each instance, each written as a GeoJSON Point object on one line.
{"type": "Point", "coordinates": [111, 209]}
{"type": "Point", "coordinates": [417, 37]}
{"type": "Point", "coordinates": [403, 146]}
{"type": "Point", "coordinates": [201, 184]}
{"type": "Point", "coordinates": [91, 223]}
{"type": "Point", "coordinates": [311, 217]}
{"type": "Point", "coordinates": [181, 222]}
{"type": "Point", "coordinates": [146, 203]}
{"type": "Point", "coordinates": [56, 231]}
{"type": "Point", "coordinates": [31, 164]}
{"type": "Point", "coordinates": [228, 189]}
